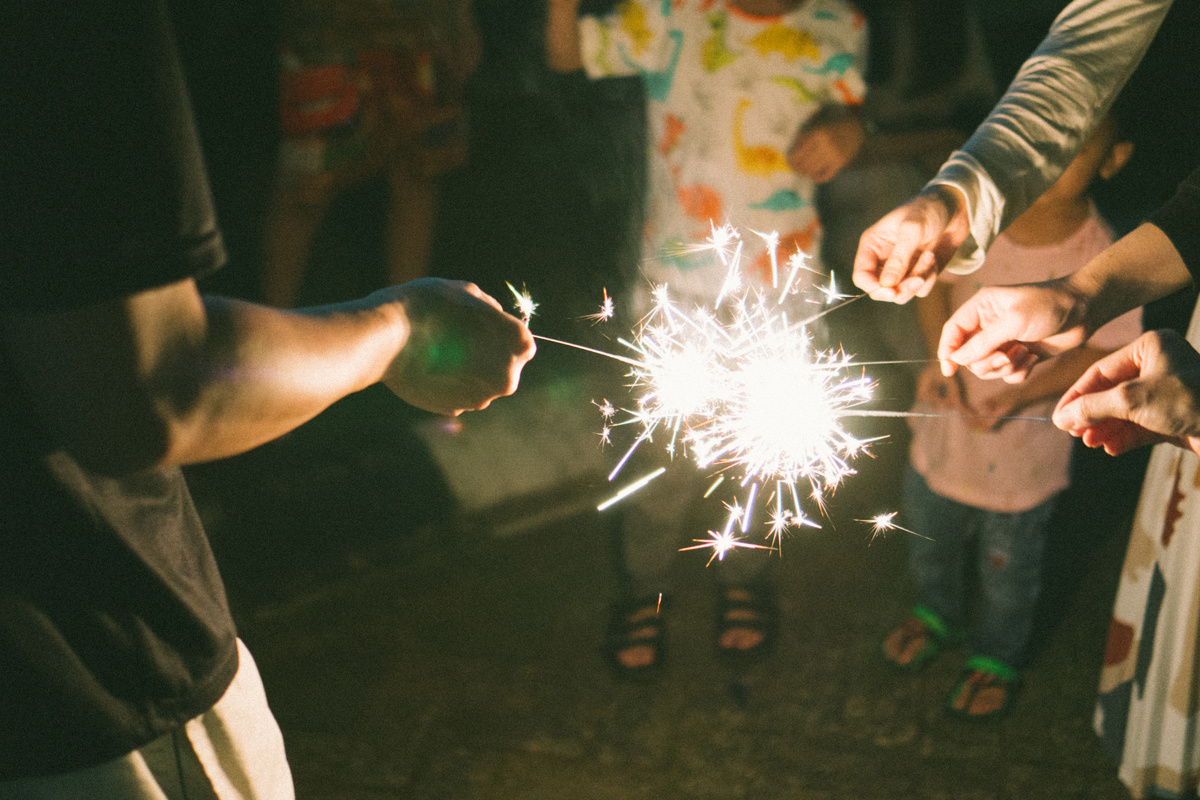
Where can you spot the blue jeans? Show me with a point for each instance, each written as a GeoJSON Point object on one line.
{"type": "Point", "coordinates": [1008, 557]}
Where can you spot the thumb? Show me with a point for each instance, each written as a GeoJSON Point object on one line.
{"type": "Point", "coordinates": [1088, 410]}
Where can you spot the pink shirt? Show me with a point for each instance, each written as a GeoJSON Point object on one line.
{"type": "Point", "coordinates": [1023, 463]}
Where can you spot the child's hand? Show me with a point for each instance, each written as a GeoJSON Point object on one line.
{"type": "Point", "coordinates": [946, 394]}
{"type": "Point", "coordinates": [564, 5]}
{"type": "Point", "coordinates": [820, 151]}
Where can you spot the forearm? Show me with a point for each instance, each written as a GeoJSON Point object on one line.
{"type": "Point", "coordinates": [167, 377]}
{"type": "Point", "coordinates": [260, 372]}
{"type": "Point", "coordinates": [1051, 107]}
{"type": "Point", "coordinates": [562, 36]}
{"type": "Point", "coordinates": [1140, 267]}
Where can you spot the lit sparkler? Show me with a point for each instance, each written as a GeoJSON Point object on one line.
{"type": "Point", "coordinates": [745, 392]}
{"type": "Point", "coordinates": [525, 304]}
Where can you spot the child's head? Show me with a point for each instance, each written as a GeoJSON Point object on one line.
{"type": "Point", "coordinates": [1102, 156]}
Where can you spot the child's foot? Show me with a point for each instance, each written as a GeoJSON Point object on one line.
{"type": "Point", "coordinates": [916, 641]}
{"type": "Point", "coordinates": [986, 690]}
{"type": "Point", "coordinates": [634, 643]}
{"type": "Point", "coordinates": [747, 622]}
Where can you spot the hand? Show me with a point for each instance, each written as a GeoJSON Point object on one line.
{"type": "Point", "coordinates": [900, 256]}
{"type": "Point", "coordinates": [819, 152]}
{"type": "Point", "coordinates": [1002, 331]}
{"type": "Point", "coordinates": [1144, 393]}
{"type": "Point", "coordinates": [461, 350]}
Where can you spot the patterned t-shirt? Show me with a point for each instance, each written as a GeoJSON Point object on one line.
{"type": "Point", "coordinates": [727, 92]}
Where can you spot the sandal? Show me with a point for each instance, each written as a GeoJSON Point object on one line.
{"type": "Point", "coordinates": [918, 640]}
{"type": "Point", "coordinates": [635, 623]}
{"type": "Point", "coordinates": [985, 692]}
{"type": "Point", "coordinates": [748, 609]}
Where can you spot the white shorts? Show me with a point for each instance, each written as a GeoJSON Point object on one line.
{"type": "Point", "coordinates": [233, 751]}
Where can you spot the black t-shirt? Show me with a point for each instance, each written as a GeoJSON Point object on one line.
{"type": "Point", "coordinates": [114, 627]}
{"type": "Point", "coordinates": [1179, 218]}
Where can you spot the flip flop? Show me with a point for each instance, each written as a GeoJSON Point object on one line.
{"type": "Point", "coordinates": [984, 679]}
{"type": "Point", "coordinates": [924, 628]}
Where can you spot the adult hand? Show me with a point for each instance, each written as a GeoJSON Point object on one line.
{"type": "Point", "coordinates": [900, 256]}
{"type": "Point", "coordinates": [461, 350]}
{"type": "Point", "coordinates": [1144, 393]}
{"type": "Point", "coordinates": [1002, 331]}
{"type": "Point", "coordinates": [820, 151]}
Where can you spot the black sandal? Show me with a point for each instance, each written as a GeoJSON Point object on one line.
{"type": "Point", "coordinates": [755, 610]}
{"type": "Point", "coordinates": [635, 622]}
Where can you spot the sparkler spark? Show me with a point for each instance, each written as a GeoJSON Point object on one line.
{"type": "Point", "coordinates": [524, 302]}
{"type": "Point", "coordinates": [606, 312]}
{"type": "Point", "coordinates": [884, 523]}
{"type": "Point", "coordinates": [745, 393]}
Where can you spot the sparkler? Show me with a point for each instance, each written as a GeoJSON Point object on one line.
{"type": "Point", "coordinates": [745, 393]}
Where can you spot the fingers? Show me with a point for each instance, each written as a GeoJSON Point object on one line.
{"type": "Point", "coordinates": [1095, 394]}
{"type": "Point", "coordinates": [881, 264]}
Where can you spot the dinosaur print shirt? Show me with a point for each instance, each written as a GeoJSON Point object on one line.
{"type": "Point", "coordinates": [727, 92]}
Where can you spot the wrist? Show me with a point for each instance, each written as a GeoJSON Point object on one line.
{"type": "Point", "coordinates": [1081, 292]}
{"type": "Point", "coordinates": [384, 328]}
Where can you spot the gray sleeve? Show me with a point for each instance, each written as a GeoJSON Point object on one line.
{"type": "Point", "coordinates": [1061, 92]}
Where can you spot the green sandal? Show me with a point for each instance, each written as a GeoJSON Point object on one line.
{"type": "Point", "coordinates": [987, 682]}
{"type": "Point", "coordinates": [927, 632]}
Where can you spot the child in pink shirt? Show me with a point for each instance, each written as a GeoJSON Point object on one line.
{"type": "Point", "coordinates": [976, 475]}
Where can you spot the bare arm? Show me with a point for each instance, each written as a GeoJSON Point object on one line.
{"type": "Point", "coordinates": [167, 376]}
{"type": "Point", "coordinates": [1016, 154]}
{"type": "Point", "coordinates": [1002, 331]}
{"type": "Point", "coordinates": [562, 36]}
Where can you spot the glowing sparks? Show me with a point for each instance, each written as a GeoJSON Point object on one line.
{"type": "Point", "coordinates": [631, 488]}
{"type": "Point", "coordinates": [830, 292]}
{"type": "Point", "coordinates": [524, 302]}
{"type": "Point", "coordinates": [885, 523]}
{"type": "Point", "coordinates": [606, 312]}
{"type": "Point", "coordinates": [745, 393]}
{"type": "Point", "coordinates": [722, 543]}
